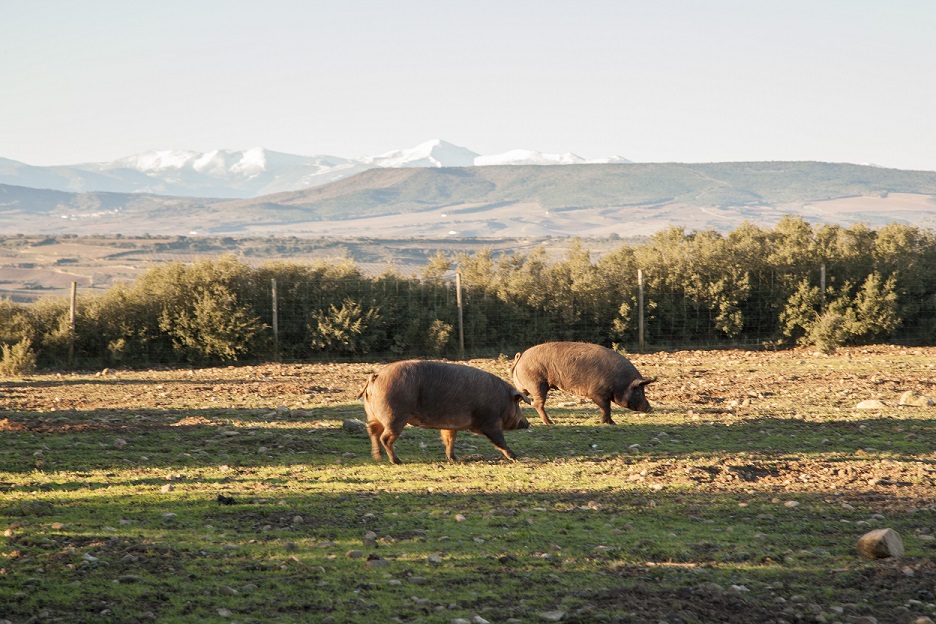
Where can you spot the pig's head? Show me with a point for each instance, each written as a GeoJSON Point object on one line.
{"type": "Point", "coordinates": [634, 398]}
{"type": "Point", "coordinates": [514, 418]}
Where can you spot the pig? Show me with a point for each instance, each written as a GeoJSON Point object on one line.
{"type": "Point", "coordinates": [439, 395]}
{"type": "Point", "coordinates": [584, 369]}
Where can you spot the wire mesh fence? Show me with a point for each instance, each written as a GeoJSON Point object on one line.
{"type": "Point", "coordinates": [678, 291]}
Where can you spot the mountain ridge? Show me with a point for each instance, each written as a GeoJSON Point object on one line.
{"type": "Point", "coordinates": [529, 200]}
{"type": "Point", "coordinates": [251, 172]}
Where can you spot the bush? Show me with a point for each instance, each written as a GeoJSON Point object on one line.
{"type": "Point", "coordinates": [827, 333]}
{"type": "Point", "coordinates": [348, 330]}
{"type": "Point", "coordinates": [18, 359]}
{"type": "Point", "coordinates": [751, 287]}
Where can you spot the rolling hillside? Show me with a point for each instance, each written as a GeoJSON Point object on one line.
{"type": "Point", "coordinates": [578, 200]}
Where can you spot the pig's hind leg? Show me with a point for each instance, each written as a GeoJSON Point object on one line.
{"type": "Point", "coordinates": [374, 430]}
{"type": "Point", "coordinates": [539, 393]}
{"type": "Point", "coordinates": [388, 437]}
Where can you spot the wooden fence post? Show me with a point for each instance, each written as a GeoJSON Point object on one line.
{"type": "Point", "coordinates": [461, 321]}
{"type": "Point", "coordinates": [276, 351]}
{"type": "Point", "coordinates": [640, 310]}
{"type": "Point", "coordinates": [822, 288]}
{"type": "Point", "coordinates": [72, 315]}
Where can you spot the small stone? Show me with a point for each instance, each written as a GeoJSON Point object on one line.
{"type": "Point", "coordinates": [881, 544]}
{"type": "Point", "coordinates": [248, 588]}
{"type": "Point", "coordinates": [552, 616]}
{"type": "Point", "coordinates": [871, 404]}
{"type": "Point", "coordinates": [36, 508]}
{"type": "Point", "coordinates": [791, 504]}
{"type": "Point", "coordinates": [459, 518]}
{"type": "Point", "coordinates": [912, 399]}
{"type": "Point", "coordinates": [354, 554]}
{"type": "Point", "coordinates": [225, 613]}
{"type": "Point", "coordinates": [711, 588]}
{"type": "Point", "coordinates": [228, 591]}
{"type": "Point", "coordinates": [120, 443]}
{"type": "Point", "coordinates": [354, 427]}
{"type": "Point", "coordinates": [477, 619]}
{"type": "Point", "coordinates": [166, 488]}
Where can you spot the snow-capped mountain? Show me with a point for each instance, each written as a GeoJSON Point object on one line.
{"type": "Point", "coordinates": [429, 154]}
{"type": "Point", "coordinates": [251, 172]}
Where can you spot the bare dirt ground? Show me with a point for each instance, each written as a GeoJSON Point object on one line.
{"type": "Point", "coordinates": [783, 424]}
{"type": "Point", "coordinates": [719, 387]}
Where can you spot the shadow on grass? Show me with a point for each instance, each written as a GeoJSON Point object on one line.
{"type": "Point", "coordinates": [119, 439]}
{"type": "Point", "coordinates": [624, 554]}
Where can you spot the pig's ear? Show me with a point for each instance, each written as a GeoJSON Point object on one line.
{"type": "Point", "coordinates": [644, 382]}
{"type": "Point", "coordinates": [519, 395]}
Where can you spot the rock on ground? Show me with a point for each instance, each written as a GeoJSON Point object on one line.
{"type": "Point", "coordinates": [881, 544]}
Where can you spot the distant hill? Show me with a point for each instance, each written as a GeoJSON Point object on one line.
{"type": "Point", "coordinates": [251, 172]}
{"type": "Point", "coordinates": [496, 200]}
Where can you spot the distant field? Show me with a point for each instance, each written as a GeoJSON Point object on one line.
{"type": "Point", "coordinates": [36, 266]}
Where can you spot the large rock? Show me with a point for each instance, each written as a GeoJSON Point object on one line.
{"type": "Point", "coordinates": [881, 544]}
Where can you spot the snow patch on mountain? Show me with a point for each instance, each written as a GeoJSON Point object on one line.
{"type": "Point", "coordinates": [527, 157]}
{"type": "Point", "coordinates": [611, 160]}
{"type": "Point", "coordinates": [251, 172]}
{"type": "Point", "coordinates": [152, 161]}
{"type": "Point", "coordinates": [435, 153]}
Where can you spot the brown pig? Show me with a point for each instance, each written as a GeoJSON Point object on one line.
{"type": "Point", "coordinates": [439, 395]}
{"type": "Point", "coordinates": [584, 369]}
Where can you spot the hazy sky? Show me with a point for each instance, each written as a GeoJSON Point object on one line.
{"type": "Point", "coordinates": [650, 80]}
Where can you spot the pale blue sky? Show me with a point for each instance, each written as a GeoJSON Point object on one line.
{"type": "Point", "coordinates": [653, 81]}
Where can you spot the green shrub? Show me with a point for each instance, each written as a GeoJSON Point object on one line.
{"type": "Point", "coordinates": [18, 359]}
{"type": "Point", "coordinates": [348, 330]}
{"type": "Point", "coordinates": [827, 333]}
{"type": "Point", "coordinates": [437, 337]}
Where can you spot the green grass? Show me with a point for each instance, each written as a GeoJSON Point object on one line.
{"type": "Point", "coordinates": [771, 499]}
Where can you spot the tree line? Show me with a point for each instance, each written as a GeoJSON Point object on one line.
{"type": "Point", "coordinates": [793, 284]}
